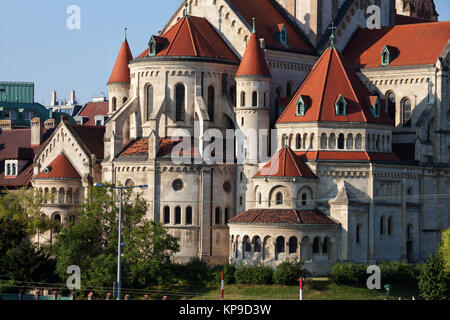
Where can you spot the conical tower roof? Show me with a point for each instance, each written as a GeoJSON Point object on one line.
{"type": "Point", "coordinates": [121, 71]}
{"type": "Point", "coordinates": [253, 62]}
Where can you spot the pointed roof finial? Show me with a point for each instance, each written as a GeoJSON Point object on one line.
{"type": "Point", "coordinates": [332, 37]}
{"type": "Point", "coordinates": [126, 33]}
{"type": "Point", "coordinates": [186, 5]}
{"type": "Point", "coordinates": [254, 25]}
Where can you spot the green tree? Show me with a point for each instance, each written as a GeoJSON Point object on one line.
{"type": "Point", "coordinates": [20, 259]}
{"type": "Point", "coordinates": [434, 280]}
{"type": "Point", "coordinates": [91, 243]}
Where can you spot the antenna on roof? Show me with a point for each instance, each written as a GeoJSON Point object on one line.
{"type": "Point", "coordinates": [254, 25]}
{"type": "Point", "coordinates": [332, 37]}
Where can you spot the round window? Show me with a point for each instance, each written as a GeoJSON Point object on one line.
{"type": "Point", "coordinates": [227, 187]}
{"type": "Point", "coordinates": [177, 185]}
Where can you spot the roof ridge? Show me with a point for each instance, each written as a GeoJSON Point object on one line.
{"type": "Point", "coordinates": [176, 33]}
{"type": "Point", "coordinates": [293, 156]}
{"type": "Point", "coordinates": [191, 34]}
{"type": "Point", "coordinates": [324, 84]}
{"type": "Point", "coordinates": [261, 211]}
{"type": "Point", "coordinates": [206, 38]}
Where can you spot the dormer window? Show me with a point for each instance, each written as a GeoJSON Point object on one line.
{"type": "Point", "coordinates": [387, 55]}
{"type": "Point", "coordinates": [152, 47]}
{"type": "Point", "coordinates": [341, 106]}
{"type": "Point", "coordinates": [279, 32]}
{"type": "Point", "coordinates": [301, 106]}
{"type": "Point", "coordinates": [155, 45]}
{"type": "Point", "coordinates": [283, 35]}
{"type": "Point", "coordinates": [11, 168]}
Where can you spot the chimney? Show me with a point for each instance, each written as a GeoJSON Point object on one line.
{"type": "Point", "coordinates": [53, 102]}
{"type": "Point", "coordinates": [36, 132]}
{"type": "Point", "coordinates": [49, 124]}
{"type": "Point", "coordinates": [72, 97]}
{"type": "Point", "coordinates": [6, 125]}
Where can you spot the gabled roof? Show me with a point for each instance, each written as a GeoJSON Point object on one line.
{"type": "Point", "coordinates": [417, 44]}
{"type": "Point", "coordinates": [121, 71]}
{"type": "Point", "coordinates": [92, 137]}
{"type": "Point", "coordinates": [193, 37]}
{"type": "Point", "coordinates": [269, 16]}
{"type": "Point", "coordinates": [59, 168]}
{"type": "Point", "coordinates": [282, 216]}
{"type": "Point", "coordinates": [331, 77]}
{"type": "Point", "coordinates": [253, 61]}
{"type": "Point", "coordinates": [92, 109]}
{"type": "Point", "coordinates": [285, 163]}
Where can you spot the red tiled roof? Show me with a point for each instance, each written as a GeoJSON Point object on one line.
{"type": "Point", "coordinates": [417, 44]}
{"type": "Point", "coordinates": [269, 17]}
{"type": "Point", "coordinates": [285, 163]}
{"type": "Point", "coordinates": [139, 148]}
{"type": "Point", "coordinates": [193, 37]}
{"type": "Point", "coordinates": [253, 61]}
{"type": "Point", "coordinates": [331, 77]}
{"type": "Point", "coordinates": [60, 168]}
{"type": "Point", "coordinates": [92, 137]}
{"type": "Point", "coordinates": [282, 216]}
{"type": "Point", "coordinates": [23, 179]}
{"type": "Point", "coordinates": [93, 109]}
{"type": "Point", "coordinates": [121, 71]}
{"type": "Point", "coordinates": [348, 156]}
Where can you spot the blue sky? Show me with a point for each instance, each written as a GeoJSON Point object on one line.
{"type": "Point", "coordinates": [37, 46]}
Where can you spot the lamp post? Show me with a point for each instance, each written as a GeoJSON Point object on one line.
{"type": "Point", "coordinates": [120, 244]}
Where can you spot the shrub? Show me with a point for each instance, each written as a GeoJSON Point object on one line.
{"type": "Point", "coordinates": [434, 282]}
{"type": "Point", "coordinates": [257, 274]}
{"type": "Point", "coordinates": [348, 273]}
{"type": "Point", "coordinates": [229, 274]}
{"type": "Point", "coordinates": [289, 272]}
{"type": "Point", "coordinates": [398, 273]}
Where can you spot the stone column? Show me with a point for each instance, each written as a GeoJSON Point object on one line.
{"type": "Point", "coordinates": [205, 209]}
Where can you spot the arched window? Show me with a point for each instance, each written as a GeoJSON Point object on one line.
{"type": "Point", "coordinates": [332, 141]}
{"type": "Point", "coordinates": [14, 171]}
{"type": "Point", "coordinates": [257, 244]}
{"type": "Point", "coordinates": [247, 244]}
{"type": "Point", "coordinates": [390, 105]}
{"type": "Point", "coordinates": [279, 199]}
{"type": "Point", "coordinates": [325, 246]}
{"type": "Point", "coordinates": [254, 99]}
{"type": "Point", "coordinates": [280, 245]}
{"type": "Point", "coordinates": [53, 196]}
{"type": "Point", "coordinates": [218, 216]}
{"type": "Point", "coordinates": [259, 198]}
{"type": "Point", "coordinates": [69, 196]}
{"type": "Point", "coordinates": [316, 245]}
{"type": "Point", "coordinates": [406, 109]}
{"type": "Point", "coordinates": [304, 199]}
{"type": "Point", "coordinates": [350, 141]}
{"type": "Point", "coordinates": [124, 100]}
{"type": "Point", "coordinates": [61, 195]}
{"type": "Point", "coordinates": [382, 225]}
{"type": "Point", "coordinates": [72, 218]}
{"type": "Point", "coordinates": [189, 215]}
{"type": "Point", "coordinates": [114, 104]}
{"type": "Point", "coordinates": [341, 141]}
{"type": "Point", "coordinates": [358, 142]}
{"type": "Point", "coordinates": [57, 217]}
{"type": "Point", "coordinates": [323, 141]}
{"type": "Point", "coordinates": [243, 99]}
{"type": "Point", "coordinates": [358, 233]}
{"type": "Point", "coordinates": [298, 141]}
{"type": "Point", "coordinates": [177, 215]}
{"type": "Point", "coordinates": [166, 215]}
{"type": "Point", "coordinates": [149, 101]}
{"type": "Point", "coordinates": [180, 103]}
{"type": "Point", "coordinates": [227, 215]}
{"type": "Point", "coordinates": [288, 89]}
{"type": "Point", "coordinates": [8, 169]}
{"type": "Point", "coordinates": [293, 244]}
{"type": "Point", "coordinates": [391, 225]}
{"type": "Point", "coordinates": [211, 98]}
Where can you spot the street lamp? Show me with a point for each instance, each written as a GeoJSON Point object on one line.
{"type": "Point", "coordinates": [120, 244]}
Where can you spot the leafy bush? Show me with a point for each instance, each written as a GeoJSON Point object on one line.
{"type": "Point", "coordinates": [348, 273]}
{"type": "Point", "coordinates": [289, 272]}
{"type": "Point", "coordinates": [257, 274]}
{"type": "Point", "coordinates": [229, 274]}
{"type": "Point", "coordinates": [398, 273]}
{"type": "Point", "coordinates": [434, 281]}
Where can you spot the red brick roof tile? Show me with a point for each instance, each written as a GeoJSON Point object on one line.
{"type": "Point", "coordinates": [282, 216]}
{"type": "Point", "coordinates": [60, 168]}
{"type": "Point", "coordinates": [285, 163]}
{"type": "Point", "coordinates": [92, 109]}
{"type": "Point", "coordinates": [331, 77]}
{"type": "Point", "coordinates": [92, 137]}
{"type": "Point", "coordinates": [193, 37]}
{"type": "Point", "coordinates": [417, 44]}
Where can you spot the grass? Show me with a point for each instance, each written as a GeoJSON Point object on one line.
{"type": "Point", "coordinates": [321, 289]}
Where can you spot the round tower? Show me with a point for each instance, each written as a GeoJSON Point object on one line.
{"type": "Point", "coordinates": [253, 81]}
{"type": "Point", "coordinates": [119, 81]}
